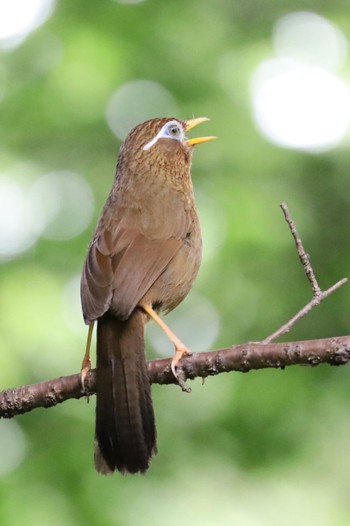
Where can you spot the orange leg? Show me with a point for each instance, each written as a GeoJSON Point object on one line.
{"type": "Point", "coordinates": [86, 365]}
{"type": "Point", "coordinates": [180, 348]}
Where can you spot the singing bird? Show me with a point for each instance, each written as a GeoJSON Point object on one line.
{"type": "Point", "coordinates": [143, 259]}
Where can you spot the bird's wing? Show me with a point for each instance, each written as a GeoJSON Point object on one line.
{"type": "Point", "coordinates": [130, 251]}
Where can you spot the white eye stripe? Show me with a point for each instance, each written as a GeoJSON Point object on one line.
{"type": "Point", "coordinates": [151, 143]}
{"type": "Point", "coordinates": [164, 132]}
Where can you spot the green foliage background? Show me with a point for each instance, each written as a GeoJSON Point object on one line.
{"type": "Point", "coordinates": [267, 448]}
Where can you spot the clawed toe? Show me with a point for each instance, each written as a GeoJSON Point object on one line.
{"type": "Point", "coordinates": [179, 354]}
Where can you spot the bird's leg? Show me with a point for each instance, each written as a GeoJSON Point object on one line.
{"type": "Point", "coordinates": [86, 364]}
{"type": "Point", "coordinates": [180, 348]}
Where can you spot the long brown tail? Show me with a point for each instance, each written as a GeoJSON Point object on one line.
{"type": "Point", "coordinates": [125, 426]}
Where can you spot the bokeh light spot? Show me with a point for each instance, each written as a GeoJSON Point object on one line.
{"type": "Point", "coordinates": [298, 100]}
{"type": "Point", "coordinates": [310, 38]}
{"type": "Point", "coordinates": [18, 18]}
{"type": "Point", "coordinates": [12, 446]}
{"type": "Point", "coordinates": [136, 102]}
{"type": "Point", "coordinates": [63, 204]}
{"type": "Point", "coordinates": [17, 231]}
{"type": "Point", "coordinates": [299, 106]}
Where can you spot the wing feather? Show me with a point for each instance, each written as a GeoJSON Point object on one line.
{"type": "Point", "coordinates": [132, 247]}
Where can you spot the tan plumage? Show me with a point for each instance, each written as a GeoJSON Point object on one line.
{"type": "Point", "coordinates": [146, 250]}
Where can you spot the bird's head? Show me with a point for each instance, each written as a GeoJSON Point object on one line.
{"type": "Point", "coordinates": [165, 136]}
{"type": "Point", "coordinates": [160, 144]}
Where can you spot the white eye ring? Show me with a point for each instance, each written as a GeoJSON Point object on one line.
{"type": "Point", "coordinates": [173, 130]}
{"type": "Point", "coordinates": [170, 130]}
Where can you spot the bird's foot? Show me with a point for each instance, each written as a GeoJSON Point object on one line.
{"type": "Point", "coordinates": [85, 369]}
{"type": "Point", "coordinates": [180, 352]}
{"type": "Point", "coordinates": [176, 368]}
{"type": "Point", "coordinates": [86, 365]}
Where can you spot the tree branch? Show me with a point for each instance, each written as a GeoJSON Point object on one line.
{"type": "Point", "coordinates": [243, 358]}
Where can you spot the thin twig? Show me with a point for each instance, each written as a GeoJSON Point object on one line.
{"type": "Point", "coordinates": [304, 258]}
{"type": "Point", "coordinates": [316, 300]}
{"type": "Point", "coordinates": [318, 294]}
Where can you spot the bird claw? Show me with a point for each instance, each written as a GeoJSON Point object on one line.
{"type": "Point", "coordinates": [85, 369]}
{"type": "Point", "coordinates": [179, 354]}
{"type": "Point", "coordinates": [180, 375]}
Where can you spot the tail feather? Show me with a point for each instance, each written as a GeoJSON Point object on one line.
{"type": "Point", "coordinates": [125, 425]}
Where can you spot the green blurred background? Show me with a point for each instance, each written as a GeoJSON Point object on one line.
{"type": "Point", "coordinates": [266, 448]}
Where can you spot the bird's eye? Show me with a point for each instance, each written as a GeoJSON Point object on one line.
{"type": "Point", "coordinates": [174, 130]}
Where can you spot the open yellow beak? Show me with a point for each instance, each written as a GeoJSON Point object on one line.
{"type": "Point", "coordinates": [199, 140]}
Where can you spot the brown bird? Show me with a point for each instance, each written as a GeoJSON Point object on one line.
{"type": "Point", "coordinates": [143, 259]}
